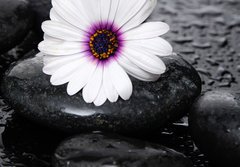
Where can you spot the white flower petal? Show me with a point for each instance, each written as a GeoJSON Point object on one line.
{"type": "Point", "coordinates": [55, 17]}
{"type": "Point", "coordinates": [127, 10]}
{"type": "Point", "coordinates": [40, 54]}
{"type": "Point", "coordinates": [141, 16]}
{"type": "Point", "coordinates": [145, 60]}
{"type": "Point", "coordinates": [64, 73]}
{"type": "Point", "coordinates": [91, 90]}
{"type": "Point", "coordinates": [108, 87]}
{"type": "Point", "coordinates": [63, 31]}
{"type": "Point", "coordinates": [113, 10]}
{"type": "Point", "coordinates": [48, 59]}
{"type": "Point", "coordinates": [50, 39]}
{"type": "Point", "coordinates": [105, 9]}
{"type": "Point", "coordinates": [81, 77]}
{"type": "Point", "coordinates": [82, 10]}
{"type": "Point", "coordinates": [69, 12]}
{"type": "Point", "coordinates": [157, 46]}
{"type": "Point", "coordinates": [61, 48]}
{"type": "Point", "coordinates": [101, 98]}
{"type": "Point", "coordinates": [147, 30]}
{"type": "Point", "coordinates": [53, 63]}
{"type": "Point", "coordinates": [135, 71]}
{"type": "Point", "coordinates": [91, 9]}
{"type": "Point", "coordinates": [120, 80]}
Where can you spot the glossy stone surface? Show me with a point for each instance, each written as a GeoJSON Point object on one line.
{"type": "Point", "coordinates": [152, 105]}
{"type": "Point", "coordinates": [215, 125]}
{"type": "Point", "coordinates": [106, 150]}
{"type": "Point", "coordinates": [15, 22]}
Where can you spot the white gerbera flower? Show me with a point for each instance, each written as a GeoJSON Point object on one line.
{"type": "Point", "coordinates": [94, 44]}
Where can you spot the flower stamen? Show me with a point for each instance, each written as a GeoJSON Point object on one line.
{"type": "Point", "coordinates": [103, 44]}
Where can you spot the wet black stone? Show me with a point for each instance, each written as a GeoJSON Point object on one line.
{"type": "Point", "coordinates": [25, 144]}
{"type": "Point", "coordinates": [106, 150]}
{"type": "Point", "coordinates": [152, 105]}
{"type": "Point", "coordinates": [214, 121]}
{"type": "Point", "coordinates": [41, 9]}
{"type": "Point", "coordinates": [15, 22]}
{"type": "Point", "coordinates": [30, 41]}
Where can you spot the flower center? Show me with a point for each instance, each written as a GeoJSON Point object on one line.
{"type": "Point", "coordinates": [103, 44]}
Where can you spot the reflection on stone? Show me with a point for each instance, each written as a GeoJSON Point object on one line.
{"type": "Point", "coordinates": [78, 112]}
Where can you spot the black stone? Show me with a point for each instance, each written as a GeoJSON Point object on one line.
{"type": "Point", "coordinates": [152, 105]}
{"type": "Point", "coordinates": [215, 126]}
{"type": "Point", "coordinates": [15, 22]}
{"type": "Point", "coordinates": [106, 150]}
{"type": "Point", "coordinates": [41, 9]}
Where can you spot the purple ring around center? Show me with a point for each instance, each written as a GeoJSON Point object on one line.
{"type": "Point", "coordinates": [104, 26]}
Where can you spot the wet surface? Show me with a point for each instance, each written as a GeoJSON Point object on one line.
{"type": "Point", "coordinates": [206, 33]}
